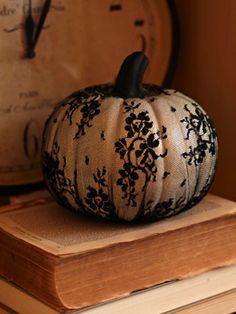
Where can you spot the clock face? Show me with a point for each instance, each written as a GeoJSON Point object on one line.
{"type": "Point", "coordinates": [79, 43]}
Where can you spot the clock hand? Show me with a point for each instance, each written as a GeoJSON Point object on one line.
{"type": "Point", "coordinates": [42, 19]}
{"type": "Point", "coordinates": [29, 31]}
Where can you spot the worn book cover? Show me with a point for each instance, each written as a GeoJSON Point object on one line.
{"type": "Point", "coordinates": [71, 261]}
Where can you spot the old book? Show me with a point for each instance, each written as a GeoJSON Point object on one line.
{"type": "Point", "coordinates": [213, 292]}
{"type": "Point", "coordinates": [71, 262]}
{"type": "Point", "coordinates": [23, 197]}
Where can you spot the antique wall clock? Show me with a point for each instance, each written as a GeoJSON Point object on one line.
{"type": "Point", "coordinates": [51, 48]}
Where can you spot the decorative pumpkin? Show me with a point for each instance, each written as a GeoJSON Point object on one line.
{"type": "Point", "coordinates": [129, 151]}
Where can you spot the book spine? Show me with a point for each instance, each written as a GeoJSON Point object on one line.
{"type": "Point", "coordinates": [124, 268]}
{"type": "Point", "coordinates": [29, 268]}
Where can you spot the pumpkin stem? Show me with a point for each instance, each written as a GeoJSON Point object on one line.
{"type": "Point", "coordinates": [129, 81]}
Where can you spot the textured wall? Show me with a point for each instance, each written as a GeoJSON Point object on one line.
{"type": "Point", "coordinates": [206, 71]}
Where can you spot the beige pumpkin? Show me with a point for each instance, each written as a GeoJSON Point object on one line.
{"type": "Point", "coordinates": [129, 151]}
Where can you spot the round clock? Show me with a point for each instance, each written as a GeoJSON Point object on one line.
{"type": "Point", "coordinates": [48, 49]}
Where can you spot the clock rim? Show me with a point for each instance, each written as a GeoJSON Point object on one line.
{"type": "Point", "coordinates": [175, 30]}
{"type": "Point", "coordinates": [167, 80]}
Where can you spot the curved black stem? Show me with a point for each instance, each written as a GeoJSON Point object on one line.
{"type": "Point", "coordinates": [130, 78]}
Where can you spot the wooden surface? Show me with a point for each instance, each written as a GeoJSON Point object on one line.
{"type": "Point", "coordinates": [206, 71]}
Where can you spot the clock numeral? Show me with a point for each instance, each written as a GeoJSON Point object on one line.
{"type": "Point", "coordinates": [115, 6]}
{"type": "Point", "coordinates": [30, 141]}
{"type": "Point", "coordinates": [138, 23]}
{"type": "Point", "coordinates": [12, 29]}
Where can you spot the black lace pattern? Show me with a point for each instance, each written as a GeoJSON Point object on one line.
{"type": "Point", "coordinates": [142, 143]}
{"type": "Point", "coordinates": [139, 151]}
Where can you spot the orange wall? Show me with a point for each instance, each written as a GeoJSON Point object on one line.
{"type": "Point", "coordinates": [206, 71]}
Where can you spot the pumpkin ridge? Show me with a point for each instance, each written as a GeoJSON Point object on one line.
{"type": "Point", "coordinates": [186, 175]}
{"type": "Point", "coordinates": [144, 205]}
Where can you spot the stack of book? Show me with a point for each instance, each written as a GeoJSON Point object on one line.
{"type": "Point", "coordinates": [56, 261]}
